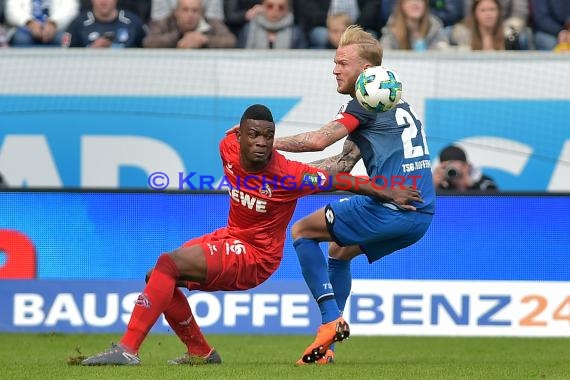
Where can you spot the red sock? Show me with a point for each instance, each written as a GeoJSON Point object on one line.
{"type": "Point", "coordinates": [154, 299]}
{"type": "Point", "coordinates": [180, 318]}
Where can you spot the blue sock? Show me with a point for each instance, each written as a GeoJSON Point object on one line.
{"type": "Point", "coordinates": [314, 268]}
{"type": "Point", "coordinates": [341, 280]}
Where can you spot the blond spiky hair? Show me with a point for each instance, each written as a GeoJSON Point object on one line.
{"type": "Point", "coordinates": [369, 47]}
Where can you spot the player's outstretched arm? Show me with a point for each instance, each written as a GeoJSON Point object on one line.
{"type": "Point", "coordinates": [402, 196]}
{"type": "Point", "coordinates": [313, 141]}
{"type": "Point", "coordinates": [342, 162]}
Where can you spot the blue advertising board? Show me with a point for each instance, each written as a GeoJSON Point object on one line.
{"type": "Point", "coordinates": [188, 127]}
{"type": "Point", "coordinates": [119, 235]}
{"type": "Point", "coordinates": [67, 141]}
{"type": "Point", "coordinates": [501, 128]}
{"type": "Point", "coordinates": [75, 261]}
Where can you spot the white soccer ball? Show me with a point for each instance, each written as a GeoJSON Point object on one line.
{"type": "Point", "coordinates": [378, 89]}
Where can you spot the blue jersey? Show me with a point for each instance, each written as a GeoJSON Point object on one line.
{"type": "Point", "coordinates": [394, 148]}
{"type": "Point", "coordinates": [126, 31]}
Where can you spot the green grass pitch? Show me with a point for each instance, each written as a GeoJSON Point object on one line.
{"type": "Point", "coordinates": [44, 356]}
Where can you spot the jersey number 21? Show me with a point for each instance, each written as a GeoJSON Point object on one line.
{"type": "Point", "coordinates": [410, 134]}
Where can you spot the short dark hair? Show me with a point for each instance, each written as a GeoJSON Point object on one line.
{"type": "Point", "coordinates": [452, 153]}
{"type": "Point", "coordinates": [257, 112]}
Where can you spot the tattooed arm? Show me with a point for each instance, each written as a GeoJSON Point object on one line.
{"type": "Point", "coordinates": [313, 141]}
{"type": "Point", "coordinates": [343, 162]}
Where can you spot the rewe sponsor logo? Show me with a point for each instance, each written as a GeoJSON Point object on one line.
{"type": "Point", "coordinates": [248, 200]}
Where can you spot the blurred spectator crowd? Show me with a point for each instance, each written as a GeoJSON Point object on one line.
{"type": "Point", "coordinates": [417, 25]}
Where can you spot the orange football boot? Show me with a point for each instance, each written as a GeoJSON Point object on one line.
{"type": "Point", "coordinates": [334, 331]}
{"type": "Point", "coordinates": [327, 359]}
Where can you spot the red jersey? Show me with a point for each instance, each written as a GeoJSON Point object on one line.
{"type": "Point", "coordinates": [262, 203]}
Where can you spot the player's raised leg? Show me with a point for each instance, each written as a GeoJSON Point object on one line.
{"type": "Point", "coordinates": [307, 233]}
{"type": "Point", "coordinates": [186, 262]}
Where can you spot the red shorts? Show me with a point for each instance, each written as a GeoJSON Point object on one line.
{"type": "Point", "coordinates": [232, 264]}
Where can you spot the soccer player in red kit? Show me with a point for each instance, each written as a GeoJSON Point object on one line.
{"type": "Point", "coordinates": [264, 188]}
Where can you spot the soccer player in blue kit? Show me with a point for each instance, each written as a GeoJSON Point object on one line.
{"type": "Point", "coordinates": [393, 148]}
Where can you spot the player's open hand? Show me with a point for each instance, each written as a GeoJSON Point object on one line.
{"type": "Point", "coordinates": [402, 197]}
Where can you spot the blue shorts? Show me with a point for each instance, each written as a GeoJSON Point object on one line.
{"type": "Point", "coordinates": [379, 229]}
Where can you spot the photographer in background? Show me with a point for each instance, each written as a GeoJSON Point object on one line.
{"type": "Point", "coordinates": [454, 172]}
